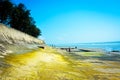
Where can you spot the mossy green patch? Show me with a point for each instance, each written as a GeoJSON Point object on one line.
{"type": "Point", "coordinates": [91, 53]}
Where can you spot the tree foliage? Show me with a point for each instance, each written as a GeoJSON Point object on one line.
{"type": "Point", "coordinates": [5, 11]}
{"type": "Point", "coordinates": [18, 17]}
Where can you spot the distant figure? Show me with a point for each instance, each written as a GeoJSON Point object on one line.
{"type": "Point", "coordinates": [75, 47]}
{"type": "Point", "coordinates": [69, 49]}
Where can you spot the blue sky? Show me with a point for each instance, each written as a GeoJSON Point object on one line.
{"type": "Point", "coordinates": [76, 21]}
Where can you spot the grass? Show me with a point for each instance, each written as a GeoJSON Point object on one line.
{"type": "Point", "coordinates": [51, 64]}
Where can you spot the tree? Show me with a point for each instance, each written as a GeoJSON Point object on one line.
{"type": "Point", "coordinates": [18, 17]}
{"type": "Point", "coordinates": [35, 31]}
{"type": "Point", "coordinates": [5, 11]}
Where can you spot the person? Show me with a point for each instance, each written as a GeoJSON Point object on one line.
{"type": "Point", "coordinates": [69, 49]}
{"type": "Point", "coordinates": [75, 47]}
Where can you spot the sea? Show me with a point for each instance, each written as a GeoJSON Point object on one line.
{"type": "Point", "coordinates": [108, 46]}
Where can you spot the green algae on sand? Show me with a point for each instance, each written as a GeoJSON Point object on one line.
{"type": "Point", "coordinates": [50, 64]}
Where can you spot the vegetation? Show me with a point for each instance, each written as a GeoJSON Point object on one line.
{"type": "Point", "coordinates": [18, 17]}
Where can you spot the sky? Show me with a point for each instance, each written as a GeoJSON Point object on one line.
{"type": "Point", "coordinates": [76, 21]}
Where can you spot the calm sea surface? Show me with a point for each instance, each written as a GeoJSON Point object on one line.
{"type": "Point", "coordinates": [109, 46]}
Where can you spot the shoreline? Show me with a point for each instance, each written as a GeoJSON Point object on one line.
{"type": "Point", "coordinates": [69, 49]}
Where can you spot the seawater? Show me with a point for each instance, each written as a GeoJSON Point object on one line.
{"type": "Point", "coordinates": [109, 46]}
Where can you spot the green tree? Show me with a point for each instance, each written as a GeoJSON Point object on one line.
{"type": "Point", "coordinates": [5, 11]}
{"type": "Point", "coordinates": [18, 17]}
